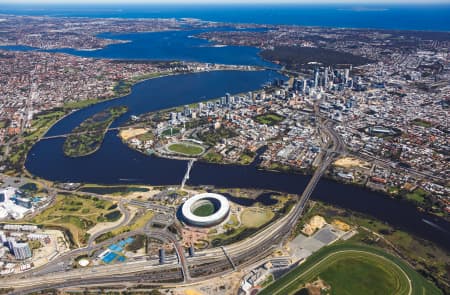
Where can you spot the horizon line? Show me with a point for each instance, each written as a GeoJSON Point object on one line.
{"type": "Point", "coordinates": [225, 2]}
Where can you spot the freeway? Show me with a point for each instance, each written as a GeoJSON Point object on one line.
{"type": "Point", "coordinates": [47, 277]}
{"type": "Point", "coordinates": [210, 262]}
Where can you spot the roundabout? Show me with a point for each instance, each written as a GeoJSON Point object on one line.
{"type": "Point", "coordinates": [205, 209]}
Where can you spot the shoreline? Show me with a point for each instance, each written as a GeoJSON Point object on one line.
{"type": "Point", "coordinates": [291, 172]}
{"type": "Point", "coordinates": [104, 131]}
{"type": "Point", "coordinates": [143, 182]}
{"type": "Point", "coordinates": [185, 158]}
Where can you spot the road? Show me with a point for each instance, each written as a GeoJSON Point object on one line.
{"type": "Point", "coordinates": [207, 263]}
{"type": "Point", "coordinates": [78, 133]}
{"type": "Point", "coordinates": [125, 221]}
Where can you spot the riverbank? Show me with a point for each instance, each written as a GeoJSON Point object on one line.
{"type": "Point", "coordinates": [42, 122]}
{"type": "Point", "coordinates": [115, 163]}
{"type": "Point", "coordinates": [88, 137]}
{"type": "Point", "coordinates": [425, 257]}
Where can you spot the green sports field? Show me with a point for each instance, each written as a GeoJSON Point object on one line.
{"type": "Point", "coordinates": [204, 210]}
{"type": "Point", "coordinates": [187, 149]}
{"type": "Point", "coordinates": [354, 269]}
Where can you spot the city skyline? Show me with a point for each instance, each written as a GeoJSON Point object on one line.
{"type": "Point", "coordinates": [232, 148]}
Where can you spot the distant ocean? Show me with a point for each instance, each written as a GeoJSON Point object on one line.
{"type": "Point", "coordinates": [382, 16]}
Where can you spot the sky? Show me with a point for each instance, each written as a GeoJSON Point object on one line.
{"type": "Point", "coordinates": [359, 2]}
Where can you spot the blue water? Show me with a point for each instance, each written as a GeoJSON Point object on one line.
{"type": "Point", "coordinates": [115, 163]}
{"type": "Point", "coordinates": [171, 91]}
{"type": "Point", "coordinates": [382, 16]}
{"type": "Point", "coordinates": [172, 45]}
{"type": "Point", "coordinates": [169, 45]}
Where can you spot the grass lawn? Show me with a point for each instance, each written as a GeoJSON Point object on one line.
{"type": "Point", "coordinates": [3, 123]}
{"type": "Point", "coordinates": [185, 149]}
{"type": "Point", "coordinates": [88, 136]}
{"type": "Point", "coordinates": [252, 220]}
{"type": "Point", "coordinates": [247, 157]}
{"type": "Point", "coordinates": [112, 190]}
{"type": "Point", "coordinates": [423, 123]}
{"type": "Point", "coordinates": [256, 217]}
{"type": "Point", "coordinates": [204, 210]}
{"type": "Point", "coordinates": [361, 274]}
{"type": "Point", "coordinates": [424, 255]}
{"type": "Point", "coordinates": [269, 119]}
{"type": "Point", "coordinates": [232, 221]}
{"type": "Point", "coordinates": [77, 214]}
{"type": "Point", "coordinates": [354, 269]}
{"type": "Point", "coordinates": [72, 105]}
{"type": "Point", "coordinates": [134, 224]}
{"type": "Point", "coordinates": [212, 157]}
{"type": "Point", "coordinates": [211, 137]}
{"type": "Point", "coordinates": [417, 195]}
{"type": "Point", "coordinates": [267, 281]}
{"type": "Point", "coordinates": [170, 132]}
{"type": "Point", "coordinates": [18, 152]}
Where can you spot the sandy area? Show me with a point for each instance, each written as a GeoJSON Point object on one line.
{"type": "Point", "coordinates": [315, 223]}
{"type": "Point", "coordinates": [141, 196]}
{"type": "Point", "coordinates": [340, 225]}
{"type": "Point", "coordinates": [47, 252]}
{"type": "Point", "coordinates": [131, 132]}
{"type": "Point", "coordinates": [105, 225]}
{"type": "Point", "coordinates": [351, 162]}
{"type": "Point", "coordinates": [223, 285]}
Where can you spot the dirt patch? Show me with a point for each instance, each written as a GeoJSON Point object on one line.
{"type": "Point", "coordinates": [131, 132]}
{"type": "Point", "coordinates": [340, 225]}
{"type": "Point", "coordinates": [317, 287]}
{"type": "Point", "coordinates": [315, 223]}
{"type": "Point", "coordinates": [192, 292]}
{"type": "Point", "coordinates": [349, 162]}
{"type": "Point", "coordinates": [256, 217]}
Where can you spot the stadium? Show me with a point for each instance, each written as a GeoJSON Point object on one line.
{"type": "Point", "coordinates": [205, 209]}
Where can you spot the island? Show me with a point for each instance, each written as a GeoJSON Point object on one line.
{"type": "Point", "coordinates": [88, 136]}
{"type": "Point", "coordinates": [345, 107]}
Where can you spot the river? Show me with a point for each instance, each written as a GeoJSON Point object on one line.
{"type": "Point", "coordinates": [115, 163]}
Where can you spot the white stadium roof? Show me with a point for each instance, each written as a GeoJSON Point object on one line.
{"type": "Point", "coordinates": [212, 219]}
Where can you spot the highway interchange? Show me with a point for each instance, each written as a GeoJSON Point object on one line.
{"type": "Point", "coordinates": [183, 270]}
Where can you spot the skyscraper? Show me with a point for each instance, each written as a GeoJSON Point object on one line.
{"type": "Point", "coordinates": [186, 111]}
{"type": "Point", "coordinates": [346, 75]}
{"type": "Point", "coordinates": [316, 77]}
{"type": "Point", "coordinates": [227, 99]}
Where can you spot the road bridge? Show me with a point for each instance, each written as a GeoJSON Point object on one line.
{"type": "Point", "coordinates": [188, 171]}
{"type": "Point", "coordinates": [65, 135]}
{"type": "Point", "coordinates": [239, 254]}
